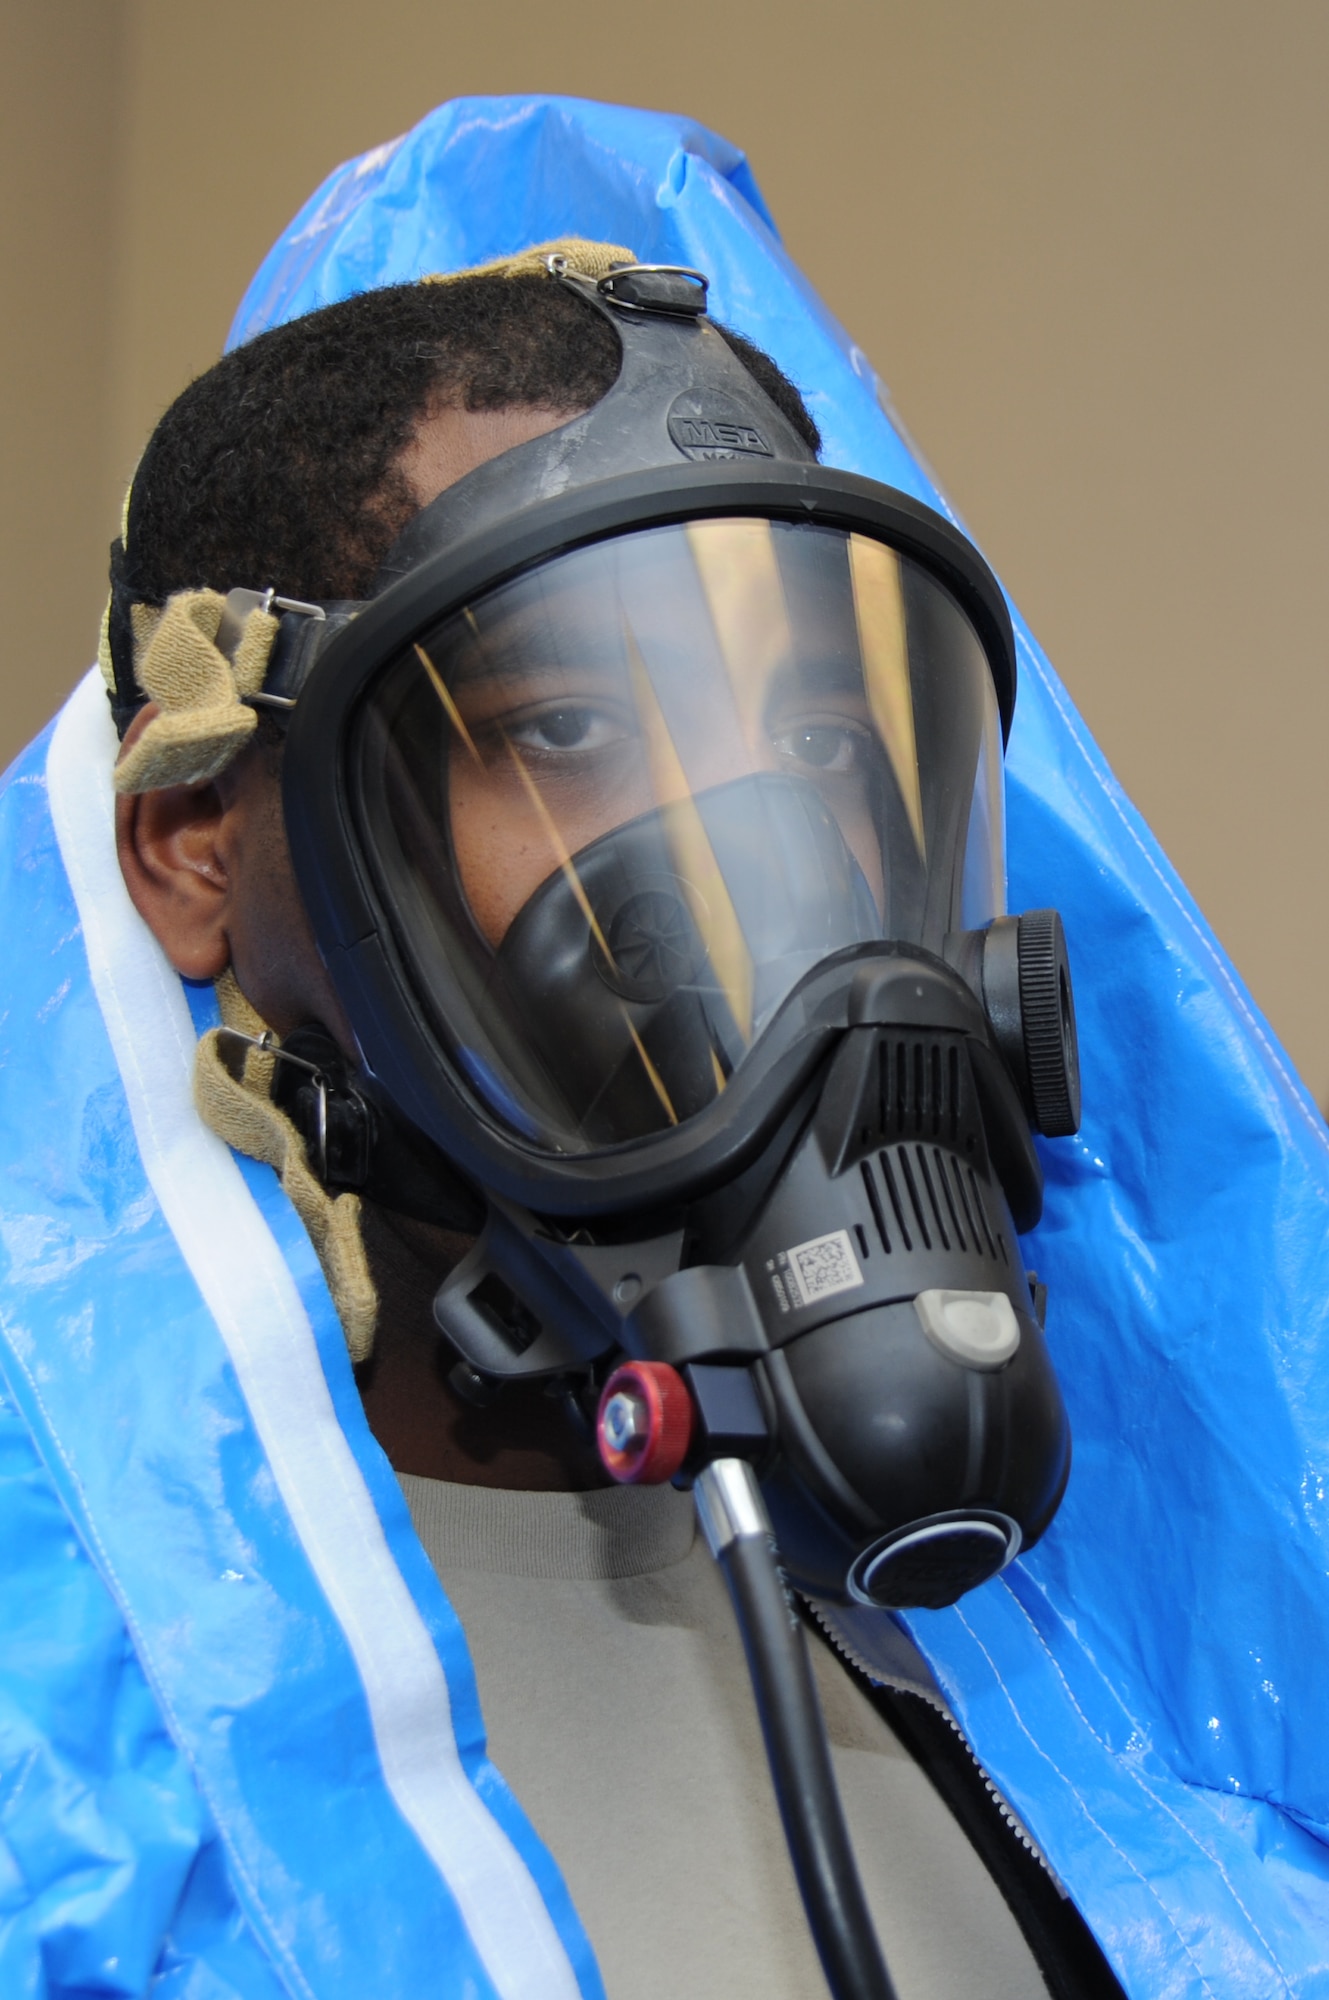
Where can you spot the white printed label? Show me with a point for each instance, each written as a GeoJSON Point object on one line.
{"type": "Point", "coordinates": [818, 1269]}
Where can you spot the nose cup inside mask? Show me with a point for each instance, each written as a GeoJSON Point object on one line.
{"type": "Point", "coordinates": [648, 964]}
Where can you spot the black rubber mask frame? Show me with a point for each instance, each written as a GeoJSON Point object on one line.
{"type": "Point", "coordinates": [684, 436]}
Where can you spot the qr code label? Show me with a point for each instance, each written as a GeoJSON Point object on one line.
{"type": "Point", "coordinates": [819, 1269]}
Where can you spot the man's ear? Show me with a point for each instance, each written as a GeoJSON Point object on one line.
{"type": "Point", "coordinates": [174, 857]}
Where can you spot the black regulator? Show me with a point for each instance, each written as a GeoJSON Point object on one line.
{"type": "Point", "coordinates": [849, 1312]}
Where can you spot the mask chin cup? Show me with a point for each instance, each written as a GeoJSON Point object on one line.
{"type": "Point", "coordinates": [931, 1563]}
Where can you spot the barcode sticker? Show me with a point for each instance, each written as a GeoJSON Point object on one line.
{"type": "Point", "coordinates": [820, 1268]}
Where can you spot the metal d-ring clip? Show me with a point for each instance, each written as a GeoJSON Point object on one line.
{"type": "Point", "coordinates": [651, 271]}
{"type": "Point", "coordinates": [269, 1045]}
{"type": "Point", "coordinates": [558, 265]}
{"type": "Point", "coordinates": [681, 307]}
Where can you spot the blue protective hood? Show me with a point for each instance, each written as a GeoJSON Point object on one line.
{"type": "Point", "coordinates": [256, 1722]}
{"type": "Point", "coordinates": [224, 1748]}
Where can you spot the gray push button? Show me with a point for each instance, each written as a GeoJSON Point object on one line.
{"type": "Point", "coordinates": [978, 1328]}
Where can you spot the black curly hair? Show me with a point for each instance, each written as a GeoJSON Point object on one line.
{"type": "Point", "coordinates": [280, 464]}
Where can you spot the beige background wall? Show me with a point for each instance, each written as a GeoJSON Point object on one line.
{"type": "Point", "coordinates": [1085, 244]}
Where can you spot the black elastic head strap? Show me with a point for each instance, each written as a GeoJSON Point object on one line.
{"type": "Point", "coordinates": [126, 697]}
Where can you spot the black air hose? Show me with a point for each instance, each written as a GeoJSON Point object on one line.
{"type": "Point", "coordinates": [734, 1522]}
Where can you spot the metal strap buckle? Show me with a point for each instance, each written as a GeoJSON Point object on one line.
{"type": "Point", "coordinates": [269, 1045]}
{"type": "Point", "coordinates": [238, 606]}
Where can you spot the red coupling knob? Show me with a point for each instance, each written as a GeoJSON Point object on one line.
{"type": "Point", "coordinates": [644, 1425]}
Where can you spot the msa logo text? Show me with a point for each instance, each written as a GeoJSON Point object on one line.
{"type": "Point", "coordinates": [713, 438]}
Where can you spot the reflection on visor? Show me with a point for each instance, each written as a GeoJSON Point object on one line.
{"type": "Point", "coordinates": [879, 612]}
{"type": "Point", "coordinates": [618, 806]}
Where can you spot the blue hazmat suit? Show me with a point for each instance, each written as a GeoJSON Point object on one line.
{"type": "Point", "coordinates": [241, 1751]}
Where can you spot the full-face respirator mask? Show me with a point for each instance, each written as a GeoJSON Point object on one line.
{"type": "Point", "coordinates": [649, 817]}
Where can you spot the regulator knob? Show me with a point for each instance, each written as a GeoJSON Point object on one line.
{"type": "Point", "coordinates": [1030, 1006]}
{"type": "Point", "coordinates": [644, 1424]}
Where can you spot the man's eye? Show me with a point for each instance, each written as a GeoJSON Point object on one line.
{"type": "Point", "coordinates": [568, 727]}
{"type": "Point", "coordinates": [834, 747]}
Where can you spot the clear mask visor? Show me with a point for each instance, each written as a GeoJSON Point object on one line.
{"type": "Point", "coordinates": [617, 807]}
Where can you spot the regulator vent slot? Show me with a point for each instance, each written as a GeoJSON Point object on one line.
{"type": "Point", "coordinates": [919, 1088]}
{"type": "Point", "coordinates": [926, 1198]}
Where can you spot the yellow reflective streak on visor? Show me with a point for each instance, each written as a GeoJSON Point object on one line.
{"type": "Point", "coordinates": [699, 872]}
{"type": "Point", "coordinates": [884, 646]}
{"type": "Point", "coordinates": [656, 1080]}
{"type": "Point", "coordinates": [740, 577]}
{"type": "Point", "coordinates": [450, 708]}
{"type": "Point", "coordinates": [560, 848]}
